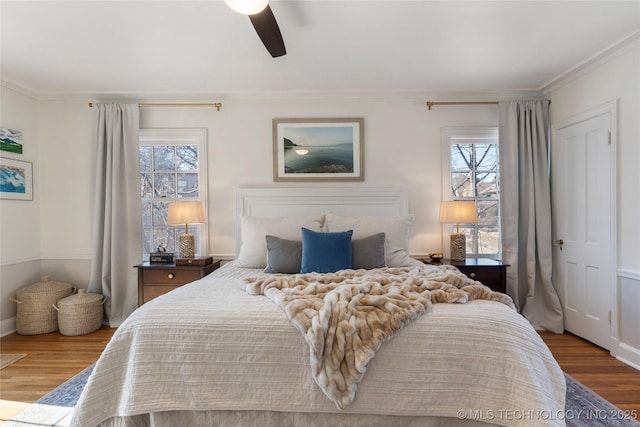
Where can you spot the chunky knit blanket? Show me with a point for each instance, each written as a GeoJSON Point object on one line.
{"type": "Point", "coordinates": [346, 316]}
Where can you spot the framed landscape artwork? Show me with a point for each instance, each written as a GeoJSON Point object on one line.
{"type": "Point", "coordinates": [16, 179]}
{"type": "Point", "coordinates": [10, 140]}
{"type": "Point", "coordinates": [318, 149]}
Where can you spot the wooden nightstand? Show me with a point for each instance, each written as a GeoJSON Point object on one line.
{"type": "Point", "coordinates": [157, 279]}
{"type": "Point", "coordinates": [490, 272]}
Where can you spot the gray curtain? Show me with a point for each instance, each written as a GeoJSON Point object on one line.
{"type": "Point", "coordinates": [117, 220]}
{"type": "Point", "coordinates": [525, 209]}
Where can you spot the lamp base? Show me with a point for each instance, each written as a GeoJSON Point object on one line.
{"type": "Point", "coordinates": [187, 245]}
{"type": "Point", "coordinates": [458, 247]}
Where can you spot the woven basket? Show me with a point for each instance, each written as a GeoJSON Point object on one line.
{"type": "Point", "coordinates": [80, 314]}
{"type": "Point", "coordinates": [34, 313]}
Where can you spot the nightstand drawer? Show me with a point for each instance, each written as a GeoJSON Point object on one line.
{"type": "Point", "coordinates": [157, 279]}
{"type": "Point", "coordinates": [174, 276]}
{"type": "Point", "coordinates": [153, 291]}
{"type": "Point", "coordinates": [492, 277]}
{"type": "Point", "coordinates": [489, 272]}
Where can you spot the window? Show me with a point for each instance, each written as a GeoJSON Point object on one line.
{"type": "Point", "coordinates": [471, 172]}
{"type": "Point", "coordinates": [172, 168]}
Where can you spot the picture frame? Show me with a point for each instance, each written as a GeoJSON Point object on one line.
{"type": "Point", "coordinates": [10, 140]}
{"type": "Point", "coordinates": [16, 179]}
{"type": "Point", "coordinates": [318, 149]}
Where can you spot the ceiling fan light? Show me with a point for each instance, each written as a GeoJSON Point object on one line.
{"type": "Point", "coordinates": [247, 7]}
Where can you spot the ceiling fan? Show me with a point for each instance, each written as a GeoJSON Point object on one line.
{"type": "Point", "coordinates": [263, 21]}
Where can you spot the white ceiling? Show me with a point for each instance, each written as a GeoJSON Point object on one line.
{"type": "Point", "coordinates": [195, 48]}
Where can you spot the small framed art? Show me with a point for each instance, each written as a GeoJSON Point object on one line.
{"type": "Point", "coordinates": [318, 149]}
{"type": "Point", "coordinates": [16, 179]}
{"type": "Point", "coordinates": [10, 140]}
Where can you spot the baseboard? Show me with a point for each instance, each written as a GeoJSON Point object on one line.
{"type": "Point", "coordinates": [7, 326]}
{"type": "Point", "coordinates": [628, 355]}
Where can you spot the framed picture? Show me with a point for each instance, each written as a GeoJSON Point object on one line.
{"type": "Point", "coordinates": [16, 179]}
{"type": "Point", "coordinates": [318, 149]}
{"type": "Point", "coordinates": [10, 140]}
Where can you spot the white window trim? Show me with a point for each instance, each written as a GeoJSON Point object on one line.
{"type": "Point", "coordinates": [187, 137]}
{"type": "Point", "coordinates": [449, 134]}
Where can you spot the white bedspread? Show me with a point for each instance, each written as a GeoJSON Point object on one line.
{"type": "Point", "coordinates": [210, 346]}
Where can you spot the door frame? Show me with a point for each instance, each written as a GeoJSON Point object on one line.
{"type": "Point", "coordinates": [610, 108]}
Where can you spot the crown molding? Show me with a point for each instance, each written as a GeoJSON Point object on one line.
{"type": "Point", "coordinates": [607, 54]}
{"type": "Point", "coordinates": [4, 84]}
{"type": "Point", "coordinates": [192, 97]}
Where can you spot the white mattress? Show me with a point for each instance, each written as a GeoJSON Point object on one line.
{"type": "Point", "coordinates": [209, 347]}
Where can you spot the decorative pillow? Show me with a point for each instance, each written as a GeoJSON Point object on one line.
{"type": "Point", "coordinates": [253, 229]}
{"type": "Point", "coordinates": [368, 252]}
{"type": "Point", "coordinates": [325, 252]}
{"type": "Point", "coordinates": [396, 229]}
{"type": "Point", "coordinates": [283, 256]}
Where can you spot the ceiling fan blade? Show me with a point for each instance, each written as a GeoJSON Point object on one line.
{"type": "Point", "coordinates": [267, 28]}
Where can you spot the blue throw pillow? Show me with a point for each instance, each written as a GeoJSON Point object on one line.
{"type": "Point", "coordinates": [325, 252]}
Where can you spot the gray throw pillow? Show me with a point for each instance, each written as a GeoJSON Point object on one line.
{"type": "Point", "coordinates": [368, 252]}
{"type": "Point", "coordinates": [283, 256]}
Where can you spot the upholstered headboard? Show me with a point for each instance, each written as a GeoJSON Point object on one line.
{"type": "Point", "coordinates": [299, 201]}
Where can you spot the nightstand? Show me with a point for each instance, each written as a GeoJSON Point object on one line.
{"type": "Point", "coordinates": [157, 279]}
{"type": "Point", "coordinates": [490, 272]}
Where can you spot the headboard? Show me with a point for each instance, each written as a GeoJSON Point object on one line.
{"type": "Point", "coordinates": [299, 201]}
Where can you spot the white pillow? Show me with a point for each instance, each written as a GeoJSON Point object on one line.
{"type": "Point", "coordinates": [253, 232]}
{"type": "Point", "coordinates": [396, 229]}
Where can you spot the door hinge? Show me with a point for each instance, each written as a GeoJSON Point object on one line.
{"type": "Point", "coordinates": [609, 137]}
{"type": "Point", "coordinates": [609, 316]}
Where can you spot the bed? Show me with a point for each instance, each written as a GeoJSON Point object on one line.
{"type": "Point", "coordinates": [229, 349]}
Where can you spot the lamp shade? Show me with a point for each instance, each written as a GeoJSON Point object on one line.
{"type": "Point", "coordinates": [247, 7]}
{"type": "Point", "coordinates": [458, 212]}
{"type": "Point", "coordinates": [182, 213]}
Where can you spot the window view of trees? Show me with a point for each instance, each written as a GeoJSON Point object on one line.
{"type": "Point", "coordinates": [474, 176]}
{"type": "Point", "coordinates": [167, 173]}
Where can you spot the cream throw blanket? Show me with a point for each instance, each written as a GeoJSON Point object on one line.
{"type": "Point", "coordinates": [346, 316]}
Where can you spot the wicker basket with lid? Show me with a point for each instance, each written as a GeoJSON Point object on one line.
{"type": "Point", "coordinates": [34, 313]}
{"type": "Point", "coordinates": [80, 314]}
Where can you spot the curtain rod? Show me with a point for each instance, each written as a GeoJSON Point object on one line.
{"type": "Point", "coordinates": [217, 105]}
{"type": "Point", "coordinates": [432, 103]}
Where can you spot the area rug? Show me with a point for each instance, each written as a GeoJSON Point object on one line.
{"type": "Point", "coordinates": [9, 359]}
{"type": "Point", "coordinates": [54, 408]}
{"type": "Point", "coordinates": [584, 408]}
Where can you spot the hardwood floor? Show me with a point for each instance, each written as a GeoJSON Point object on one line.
{"type": "Point", "coordinates": [53, 358]}
{"type": "Point", "coordinates": [594, 367]}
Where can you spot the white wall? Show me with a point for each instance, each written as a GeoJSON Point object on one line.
{"type": "Point", "coordinates": [616, 78]}
{"type": "Point", "coordinates": [66, 148]}
{"type": "Point", "coordinates": [19, 219]}
{"type": "Point", "coordinates": [402, 148]}
{"type": "Point", "coordinates": [21, 239]}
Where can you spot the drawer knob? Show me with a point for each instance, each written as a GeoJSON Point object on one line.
{"type": "Point", "coordinates": [170, 276]}
{"type": "Point", "coordinates": [472, 275]}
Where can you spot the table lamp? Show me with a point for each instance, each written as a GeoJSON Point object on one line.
{"type": "Point", "coordinates": [186, 213]}
{"type": "Point", "coordinates": [458, 212]}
